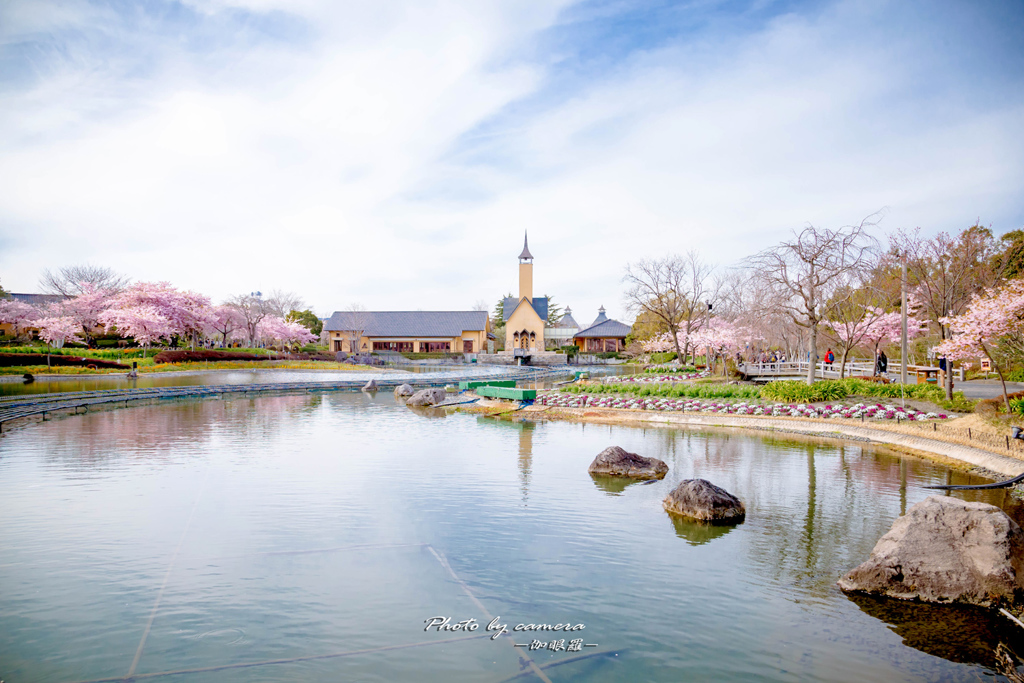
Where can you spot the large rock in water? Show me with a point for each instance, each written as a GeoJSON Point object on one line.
{"type": "Point", "coordinates": [618, 462]}
{"type": "Point", "coordinates": [404, 390]}
{"type": "Point", "coordinates": [946, 550]}
{"type": "Point", "coordinates": [371, 385]}
{"type": "Point", "coordinates": [701, 500]}
{"type": "Point", "coordinates": [427, 397]}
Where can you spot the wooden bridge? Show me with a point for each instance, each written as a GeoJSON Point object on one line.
{"type": "Point", "coordinates": [768, 372]}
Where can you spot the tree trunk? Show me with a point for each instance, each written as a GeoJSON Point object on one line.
{"type": "Point", "coordinates": [812, 352]}
{"type": "Point", "coordinates": [674, 331]}
{"type": "Point", "coordinates": [842, 367]}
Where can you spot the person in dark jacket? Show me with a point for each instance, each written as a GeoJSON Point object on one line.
{"type": "Point", "coordinates": [881, 363]}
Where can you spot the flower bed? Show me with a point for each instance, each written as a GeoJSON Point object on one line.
{"type": "Point", "coordinates": [655, 379]}
{"type": "Point", "coordinates": [875, 411]}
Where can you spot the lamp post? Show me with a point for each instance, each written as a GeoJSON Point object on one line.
{"type": "Point", "coordinates": [903, 318]}
{"type": "Point", "coordinates": [707, 328]}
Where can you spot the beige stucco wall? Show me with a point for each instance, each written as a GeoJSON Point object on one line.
{"type": "Point", "coordinates": [525, 281]}
{"type": "Point", "coordinates": [524, 319]}
{"type": "Point", "coordinates": [365, 345]}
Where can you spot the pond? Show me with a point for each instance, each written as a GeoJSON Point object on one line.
{"type": "Point", "coordinates": [312, 537]}
{"type": "Point", "coordinates": [15, 386]}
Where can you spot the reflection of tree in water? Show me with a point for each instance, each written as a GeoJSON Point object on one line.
{"type": "Point", "coordinates": [823, 507]}
{"type": "Point", "coordinates": [155, 431]}
{"type": "Point", "coordinates": [959, 634]}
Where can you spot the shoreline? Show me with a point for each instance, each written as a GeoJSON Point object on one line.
{"type": "Point", "coordinates": [946, 452]}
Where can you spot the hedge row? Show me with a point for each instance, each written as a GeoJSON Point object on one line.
{"type": "Point", "coordinates": [18, 359]}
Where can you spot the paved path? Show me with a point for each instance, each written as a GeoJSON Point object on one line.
{"type": "Point", "coordinates": [986, 388]}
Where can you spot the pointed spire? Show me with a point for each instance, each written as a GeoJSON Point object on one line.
{"type": "Point", "coordinates": [526, 255]}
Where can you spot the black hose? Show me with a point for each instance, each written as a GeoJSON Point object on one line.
{"type": "Point", "coordinates": [963, 487]}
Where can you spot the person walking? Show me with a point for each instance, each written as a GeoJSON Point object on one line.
{"type": "Point", "coordinates": [829, 358]}
{"type": "Point", "coordinates": [881, 364]}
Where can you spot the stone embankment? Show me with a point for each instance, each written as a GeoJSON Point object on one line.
{"type": "Point", "coordinates": [908, 439]}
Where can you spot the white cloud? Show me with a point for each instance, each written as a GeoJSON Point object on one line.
{"type": "Point", "coordinates": [395, 155]}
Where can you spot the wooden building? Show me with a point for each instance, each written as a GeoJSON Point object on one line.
{"type": "Point", "coordinates": [408, 331]}
{"type": "Point", "coordinates": [603, 335]}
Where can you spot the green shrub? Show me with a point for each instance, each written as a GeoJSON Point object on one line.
{"type": "Point", "coordinates": [796, 391]}
{"type": "Point", "coordinates": [1017, 406]}
{"type": "Point", "coordinates": [659, 358]}
{"type": "Point", "coordinates": [1016, 376]}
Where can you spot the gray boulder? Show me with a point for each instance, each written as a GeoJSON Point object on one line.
{"type": "Point", "coordinates": [618, 462]}
{"type": "Point", "coordinates": [340, 356]}
{"type": "Point", "coordinates": [701, 500]}
{"type": "Point", "coordinates": [371, 385]}
{"type": "Point", "coordinates": [427, 397]}
{"type": "Point", "coordinates": [404, 390]}
{"type": "Point", "coordinates": [946, 550]}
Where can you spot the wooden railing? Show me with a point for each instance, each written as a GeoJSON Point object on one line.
{"type": "Point", "coordinates": [825, 370]}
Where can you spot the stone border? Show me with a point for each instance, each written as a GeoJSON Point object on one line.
{"type": "Point", "coordinates": [975, 457]}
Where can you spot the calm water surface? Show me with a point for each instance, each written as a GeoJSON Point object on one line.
{"type": "Point", "coordinates": [206, 536]}
{"type": "Point", "coordinates": [15, 386]}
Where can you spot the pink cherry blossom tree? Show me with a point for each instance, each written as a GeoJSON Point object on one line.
{"type": "Point", "coordinates": [226, 321]}
{"type": "Point", "coordinates": [142, 322]}
{"type": "Point", "coordinates": [992, 324]}
{"type": "Point", "coordinates": [17, 314]}
{"type": "Point", "coordinates": [273, 328]}
{"type": "Point", "coordinates": [86, 309]}
{"type": "Point", "coordinates": [56, 330]}
{"type": "Point", "coordinates": [156, 310]}
{"type": "Point", "coordinates": [659, 344]}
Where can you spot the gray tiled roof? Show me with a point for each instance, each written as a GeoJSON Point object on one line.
{"type": "Point", "coordinates": [407, 323]}
{"type": "Point", "coordinates": [540, 304]}
{"type": "Point", "coordinates": [609, 329]}
{"type": "Point", "coordinates": [37, 299]}
{"type": "Point", "coordinates": [568, 321]}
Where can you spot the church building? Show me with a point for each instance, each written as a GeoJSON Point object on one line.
{"type": "Point", "coordinates": [525, 317]}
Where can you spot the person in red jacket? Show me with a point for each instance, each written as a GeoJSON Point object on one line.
{"type": "Point", "coordinates": [830, 357]}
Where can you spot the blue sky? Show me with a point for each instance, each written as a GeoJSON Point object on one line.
{"type": "Point", "coordinates": [392, 153]}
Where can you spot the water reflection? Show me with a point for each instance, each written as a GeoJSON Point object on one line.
{"type": "Point", "coordinates": [696, 533]}
{"type": "Point", "coordinates": [267, 497]}
{"type": "Point", "coordinates": [956, 633]}
{"type": "Point", "coordinates": [613, 486]}
{"type": "Point", "coordinates": [108, 436]}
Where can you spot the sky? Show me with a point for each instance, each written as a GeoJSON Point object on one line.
{"type": "Point", "coordinates": [392, 154]}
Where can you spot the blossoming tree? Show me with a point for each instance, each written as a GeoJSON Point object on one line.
{"type": "Point", "coordinates": [149, 311]}
{"type": "Point", "coordinates": [992, 326]}
{"type": "Point", "coordinates": [17, 314]}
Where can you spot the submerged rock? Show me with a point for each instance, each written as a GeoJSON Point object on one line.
{"type": "Point", "coordinates": [404, 390]}
{"type": "Point", "coordinates": [946, 550]}
{"type": "Point", "coordinates": [701, 500]}
{"type": "Point", "coordinates": [427, 397]}
{"type": "Point", "coordinates": [371, 385]}
{"type": "Point", "coordinates": [618, 462]}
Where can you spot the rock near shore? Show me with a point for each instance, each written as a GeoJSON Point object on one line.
{"type": "Point", "coordinates": [404, 390]}
{"type": "Point", "coordinates": [701, 500]}
{"type": "Point", "coordinates": [618, 462]}
{"type": "Point", "coordinates": [371, 385]}
{"type": "Point", "coordinates": [946, 550]}
{"type": "Point", "coordinates": [427, 397]}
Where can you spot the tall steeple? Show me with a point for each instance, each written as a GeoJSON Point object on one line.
{"type": "Point", "coordinates": [526, 255]}
{"type": "Point", "coordinates": [526, 272]}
